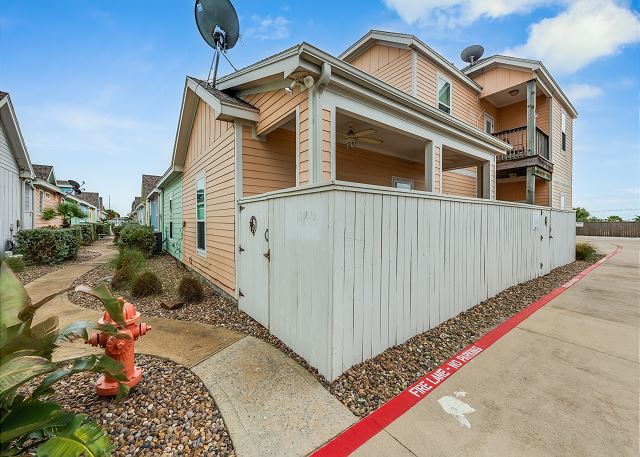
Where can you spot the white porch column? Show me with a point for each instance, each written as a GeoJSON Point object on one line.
{"type": "Point", "coordinates": [437, 166]}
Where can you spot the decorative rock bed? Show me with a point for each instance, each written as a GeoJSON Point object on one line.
{"type": "Point", "coordinates": [364, 387]}
{"type": "Point", "coordinates": [170, 412]}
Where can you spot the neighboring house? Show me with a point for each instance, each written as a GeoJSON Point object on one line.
{"type": "Point", "coordinates": [16, 176]}
{"type": "Point", "coordinates": [64, 186]}
{"type": "Point", "coordinates": [137, 211]}
{"type": "Point", "coordinates": [47, 195]}
{"type": "Point", "coordinates": [350, 203]}
{"type": "Point", "coordinates": [170, 186]}
{"type": "Point", "coordinates": [150, 206]}
{"type": "Point", "coordinates": [93, 198]}
{"type": "Point", "coordinates": [86, 207]}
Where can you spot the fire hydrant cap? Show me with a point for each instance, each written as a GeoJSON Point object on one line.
{"type": "Point", "coordinates": [130, 314]}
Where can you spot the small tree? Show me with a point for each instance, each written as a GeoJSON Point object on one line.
{"type": "Point", "coordinates": [614, 218]}
{"type": "Point", "coordinates": [636, 219]}
{"type": "Point", "coordinates": [29, 419]}
{"type": "Point", "coordinates": [582, 214]}
{"type": "Point", "coordinates": [111, 214]}
{"type": "Point", "coordinates": [66, 210]}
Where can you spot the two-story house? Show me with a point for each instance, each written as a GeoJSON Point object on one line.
{"type": "Point", "coordinates": [349, 203]}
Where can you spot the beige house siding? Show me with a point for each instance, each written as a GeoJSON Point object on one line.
{"type": "Point", "coordinates": [515, 115]}
{"type": "Point", "coordinates": [268, 165]}
{"type": "Point", "coordinates": [367, 167]}
{"type": "Point", "coordinates": [561, 179]}
{"type": "Point", "coordinates": [499, 78]}
{"type": "Point", "coordinates": [513, 190]}
{"type": "Point", "coordinates": [458, 184]}
{"type": "Point", "coordinates": [389, 64]}
{"type": "Point", "coordinates": [326, 145]}
{"type": "Point", "coordinates": [211, 150]}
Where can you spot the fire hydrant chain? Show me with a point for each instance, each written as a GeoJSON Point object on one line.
{"type": "Point", "coordinates": [120, 349]}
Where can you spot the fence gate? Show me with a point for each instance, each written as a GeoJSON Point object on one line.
{"type": "Point", "coordinates": [253, 261]}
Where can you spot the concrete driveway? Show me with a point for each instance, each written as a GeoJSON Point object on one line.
{"type": "Point", "coordinates": [564, 382]}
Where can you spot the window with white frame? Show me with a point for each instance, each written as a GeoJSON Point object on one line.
{"type": "Point", "coordinates": [489, 123]}
{"type": "Point", "coordinates": [40, 201]}
{"type": "Point", "coordinates": [402, 183]}
{"type": "Point", "coordinates": [200, 215]}
{"type": "Point", "coordinates": [444, 95]}
{"type": "Point", "coordinates": [564, 132]}
{"type": "Point", "coordinates": [562, 201]}
{"type": "Point", "coordinates": [171, 216]}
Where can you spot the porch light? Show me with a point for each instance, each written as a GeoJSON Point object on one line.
{"type": "Point", "coordinates": [350, 142]}
{"type": "Point", "coordinates": [514, 92]}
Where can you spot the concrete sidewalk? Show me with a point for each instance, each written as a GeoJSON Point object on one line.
{"type": "Point", "coordinates": [564, 382]}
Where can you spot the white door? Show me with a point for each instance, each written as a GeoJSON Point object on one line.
{"type": "Point", "coordinates": [253, 263]}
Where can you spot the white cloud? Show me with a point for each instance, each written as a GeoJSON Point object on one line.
{"type": "Point", "coordinates": [458, 12]}
{"type": "Point", "coordinates": [578, 92]}
{"type": "Point", "coordinates": [586, 31]}
{"type": "Point", "coordinates": [269, 28]}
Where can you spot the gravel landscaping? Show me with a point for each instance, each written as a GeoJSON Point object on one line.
{"type": "Point", "coordinates": [364, 387]}
{"type": "Point", "coordinates": [33, 272]}
{"type": "Point", "coordinates": [169, 413]}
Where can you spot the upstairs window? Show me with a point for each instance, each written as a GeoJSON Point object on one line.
{"type": "Point", "coordinates": [489, 123]}
{"type": "Point", "coordinates": [41, 201]}
{"type": "Point", "coordinates": [200, 216]}
{"type": "Point", "coordinates": [171, 217]}
{"type": "Point", "coordinates": [444, 95]}
{"type": "Point", "coordinates": [564, 132]}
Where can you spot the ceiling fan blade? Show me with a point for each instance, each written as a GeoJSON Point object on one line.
{"type": "Point", "coordinates": [365, 133]}
{"type": "Point", "coordinates": [370, 140]}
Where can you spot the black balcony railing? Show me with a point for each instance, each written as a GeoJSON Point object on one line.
{"type": "Point", "coordinates": [517, 138]}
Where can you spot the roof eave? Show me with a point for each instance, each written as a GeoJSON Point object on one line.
{"type": "Point", "coordinates": [14, 134]}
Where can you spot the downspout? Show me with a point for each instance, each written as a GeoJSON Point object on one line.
{"type": "Point", "coordinates": [323, 81]}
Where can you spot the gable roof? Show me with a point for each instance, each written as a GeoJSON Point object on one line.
{"type": "Point", "coordinates": [411, 41]}
{"type": "Point", "coordinates": [536, 66]}
{"type": "Point", "coordinates": [91, 197]}
{"type": "Point", "coordinates": [149, 183]}
{"type": "Point", "coordinates": [42, 171]}
{"type": "Point", "coordinates": [135, 203]}
{"type": "Point", "coordinates": [9, 122]}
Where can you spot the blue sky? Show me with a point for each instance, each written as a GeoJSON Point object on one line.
{"type": "Point", "coordinates": [97, 85]}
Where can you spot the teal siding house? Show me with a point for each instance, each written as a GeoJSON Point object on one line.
{"type": "Point", "coordinates": [170, 208]}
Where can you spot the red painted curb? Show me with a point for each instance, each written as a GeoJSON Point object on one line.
{"type": "Point", "coordinates": [365, 429]}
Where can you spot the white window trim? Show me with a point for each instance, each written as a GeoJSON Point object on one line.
{"type": "Point", "coordinates": [488, 116]}
{"type": "Point", "coordinates": [201, 252]}
{"type": "Point", "coordinates": [444, 78]}
{"type": "Point", "coordinates": [397, 179]}
{"type": "Point", "coordinates": [40, 201]}
{"type": "Point", "coordinates": [170, 216]}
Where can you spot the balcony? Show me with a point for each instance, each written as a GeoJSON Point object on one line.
{"type": "Point", "coordinates": [515, 162]}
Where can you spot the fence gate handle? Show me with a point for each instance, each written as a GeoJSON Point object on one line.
{"type": "Point", "coordinates": [266, 235]}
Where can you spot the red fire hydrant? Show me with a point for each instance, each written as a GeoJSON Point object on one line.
{"type": "Point", "coordinates": [120, 349]}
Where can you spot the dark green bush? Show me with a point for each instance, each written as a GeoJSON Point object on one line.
{"type": "Point", "coordinates": [116, 232]}
{"type": "Point", "coordinates": [146, 284]}
{"type": "Point", "coordinates": [129, 258]}
{"type": "Point", "coordinates": [47, 245]}
{"type": "Point", "coordinates": [135, 236]}
{"type": "Point", "coordinates": [103, 228]}
{"type": "Point", "coordinates": [190, 290]}
{"type": "Point", "coordinates": [89, 234]}
{"type": "Point", "coordinates": [16, 263]}
{"type": "Point", "coordinates": [122, 277]}
{"type": "Point", "coordinates": [584, 251]}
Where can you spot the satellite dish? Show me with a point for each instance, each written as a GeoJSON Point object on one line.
{"type": "Point", "coordinates": [472, 53]}
{"type": "Point", "coordinates": [74, 183]}
{"type": "Point", "coordinates": [218, 24]}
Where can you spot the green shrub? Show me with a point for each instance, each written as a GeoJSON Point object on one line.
{"type": "Point", "coordinates": [131, 258]}
{"type": "Point", "coordinates": [103, 228]}
{"type": "Point", "coordinates": [16, 263]}
{"type": "Point", "coordinates": [584, 251]}
{"type": "Point", "coordinates": [47, 245]}
{"type": "Point", "coordinates": [146, 284]}
{"type": "Point", "coordinates": [122, 277]}
{"type": "Point", "coordinates": [89, 234]}
{"type": "Point", "coordinates": [116, 232]}
{"type": "Point", "coordinates": [140, 237]}
{"type": "Point", "coordinates": [190, 290]}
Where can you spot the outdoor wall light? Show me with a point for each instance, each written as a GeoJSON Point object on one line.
{"type": "Point", "coordinates": [514, 92]}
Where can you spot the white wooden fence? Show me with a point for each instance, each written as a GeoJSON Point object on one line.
{"type": "Point", "coordinates": [352, 270]}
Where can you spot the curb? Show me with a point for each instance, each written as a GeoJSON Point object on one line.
{"type": "Point", "coordinates": [365, 429]}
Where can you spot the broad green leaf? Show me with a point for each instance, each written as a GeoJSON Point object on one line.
{"type": "Point", "coordinates": [13, 298]}
{"type": "Point", "coordinates": [40, 338]}
{"type": "Point", "coordinates": [77, 438]}
{"type": "Point", "coordinates": [80, 329]}
{"type": "Point", "coordinates": [111, 304]}
{"type": "Point", "coordinates": [45, 328]}
{"type": "Point", "coordinates": [19, 370]}
{"type": "Point", "coordinates": [29, 417]}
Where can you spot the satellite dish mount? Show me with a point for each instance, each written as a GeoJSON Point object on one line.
{"type": "Point", "coordinates": [218, 24]}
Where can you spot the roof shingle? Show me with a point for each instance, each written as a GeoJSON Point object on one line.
{"type": "Point", "coordinates": [92, 198]}
{"type": "Point", "coordinates": [42, 171]}
{"type": "Point", "coordinates": [149, 182]}
{"type": "Point", "coordinates": [224, 97]}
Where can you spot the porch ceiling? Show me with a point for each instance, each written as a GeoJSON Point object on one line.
{"type": "Point", "coordinates": [452, 159]}
{"type": "Point", "coordinates": [394, 142]}
{"type": "Point", "coordinates": [504, 98]}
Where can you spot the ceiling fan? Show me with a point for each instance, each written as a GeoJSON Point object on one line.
{"type": "Point", "coordinates": [352, 138]}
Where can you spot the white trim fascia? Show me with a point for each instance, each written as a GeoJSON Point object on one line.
{"type": "Point", "coordinates": [169, 175]}
{"type": "Point", "coordinates": [9, 120]}
{"type": "Point", "coordinates": [535, 66]}
{"type": "Point", "coordinates": [333, 143]}
{"type": "Point", "coordinates": [414, 73]}
{"type": "Point", "coordinates": [297, 114]}
{"type": "Point", "coordinates": [80, 201]}
{"type": "Point", "coordinates": [410, 41]}
{"type": "Point", "coordinates": [223, 111]}
{"type": "Point", "coordinates": [47, 185]}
